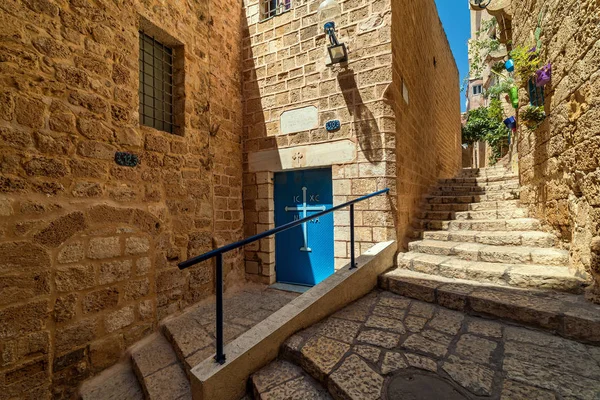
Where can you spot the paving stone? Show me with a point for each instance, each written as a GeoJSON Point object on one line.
{"type": "Point", "coordinates": [187, 335]}
{"type": "Point", "coordinates": [475, 378]}
{"type": "Point", "coordinates": [389, 312]}
{"type": "Point", "coordinates": [169, 383]}
{"type": "Point", "coordinates": [297, 389]}
{"type": "Point", "coordinates": [421, 362]}
{"type": "Point", "coordinates": [275, 374]}
{"type": "Point", "coordinates": [475, 348]}
{"type": "Point", "coordinates": [512, 390]}
{"type": "Point", "coordinates": [118, 383]}
{"type": "Point", "coordinates": [152, 356]}
{"type": "Point", "coordinates": [388, 299]}
{"type": "Point", "coordinates": [420, 344]}
{"type": "Point", "coordinates": [340, 329]}
{"type": "Point", "coordinates": [321, 354]}
{"type": "Point", "coordinates": [485, 328]}
{"type": "Point", "coordinates": [392, 362]}
{"type": "Point", "coordinates": [369, 353]}
{"type": "Point", "coordinates": [379, 338]}
{"type": "Point", "coordinates": [380, 322]}
{"type": "Point", "coordinates": [447, 321]}
{"type": "Point", "coordinates": [415, 324]}
{"type": "Point", "coordinates": [421, 309]}
{"type": "Point", "coordinates": [354, 379]}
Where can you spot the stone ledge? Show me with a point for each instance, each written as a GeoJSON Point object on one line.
{"type": "Point", "coordinates": [568, 315]}
{"type": "Point", "coordinates": [260, 345]}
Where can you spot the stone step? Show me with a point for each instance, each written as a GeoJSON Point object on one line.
{"type": "Point", "coordinates": [547, 277]}
{"type": "Point", "coordinates": [512, 185]}
{"type": "Point", "coordinates": [499, 238]}
{"type": "Point", "coordinates": [487, 205]}
{"type": "Point", "coordinates": [118, 382]}
{"type": "Point", "coordinates": [476, 181]}
{"type": "Point", "coordinates": [462, 199]}
{"type": "Point", "coordinates": [282, 380]}
{"type": "Point", "coordinates": [492, 253]}
{"type": "Point", "coordinates": [470, 215]}
{"type": "Point", "coordinates": [492, 194]}
{"type": "Point", "coordinates": [569, 315]}
{"type": "Point", "coordinates": [515, 224]}
{"type": "Point", "coordinates": [159, 371]}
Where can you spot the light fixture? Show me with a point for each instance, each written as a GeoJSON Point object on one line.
{"type": "Point", "coordinates": [337, 51]}
{"type": "Point", "coordinates": [481, 4]}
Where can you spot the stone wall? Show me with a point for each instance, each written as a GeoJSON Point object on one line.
{"type": "Point", "coordinates": [558, 162]}
{"type": "Point", "coordinates": [284, 69]}
{"type": "Point", "coordinates": [88, 248]}
{"type": "Point", "coordinates": [427, 106]}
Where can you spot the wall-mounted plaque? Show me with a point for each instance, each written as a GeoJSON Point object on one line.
{"type": "Point", "coordinates": [126, 159]}
{"type": "Point", "coordinates": [300, 119]}
{"type": "Point", "coordinates": [332, 125]}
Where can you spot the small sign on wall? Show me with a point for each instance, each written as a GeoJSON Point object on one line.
{"type": "Point", "coordinates": [298, 120]}
{"type": "Point", "coordinates": [126, 159]}
{"type": "Point", "coordinates": [332, 125]}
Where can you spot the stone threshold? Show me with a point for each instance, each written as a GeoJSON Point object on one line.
{"type": "Point", "coordinates": [567, 315]}
{"type": "Point", "coordinates": [260, 345]}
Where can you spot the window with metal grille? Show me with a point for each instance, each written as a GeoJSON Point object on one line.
{"type": "Point", "coordinates": [271, 8]}
{"type": "Point", "coordinates": [156, 84]}
{"type": "Point", "coordinates": [536, 94]}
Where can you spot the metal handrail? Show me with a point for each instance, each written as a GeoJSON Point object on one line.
{"type": "Point", "coordinates": [218, 253]}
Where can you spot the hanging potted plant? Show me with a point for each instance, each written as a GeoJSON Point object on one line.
{"type": "Point", "coordinates": [527, 61]}
{"type": "Point", "coordinates": [533, 116]}
{"type": "Point", "coordinates": [543, 75]}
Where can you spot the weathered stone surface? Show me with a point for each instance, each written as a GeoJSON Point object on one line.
{"type": "Point", "coordinates": [475, 378]}
{"type": "Point", "coordinates": [100, 299]}
{"type": "Point", "coordinates": [19, 319]}
{"type": "Point", "coordinates": [516, 390]}
{"type": "Point", "coordinates": [321, 354]}
{"type": "Point", "coordinates": [106, 352]}
{"type": "Point", "coordinates": [61, 229]}
{"type": "Point", "coordinates": [475, 349]}
{"type": "Point", "coordinates": [393, 362]}
{"type": "Point", "coordinates": [274, 375]}
{"type": "Point", "coordinates": [447, 321]}
{"type": "Point", "coordinates": [114, 271]}
{"type": "Point", "coordinates": [418, 343]}
{"type": "Point", "coordinates": [369, 353]}
{"type": "Point", "coordinates": [104, 247]}
{"type": "Point", "coordinates": [64, 307]}
{"type": "Point", "coordinates": [379, 338]}
{"type": "Point", "coordinates": [15, 256]}
{"type": "Point", "coordinates": [121, 383]}
{"type": "Point", "coordinates": [136, 245]}
{"type": "Point", "coordinates": [75, 335]}
{"type": "Point", "coordinates": [74, 277]}
{"type": "Point", "coordinates": [421, 362]}
{"type": "Point", "coordinates": [119, 319]}
{"type": "Point", "coordinates": [72, 252]}
{"type": "Point", "coordinates": [385, 323]}
{"type": "Point", "coordinates": [354, 379]}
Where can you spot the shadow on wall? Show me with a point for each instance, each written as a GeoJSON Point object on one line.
{"type": "Point", "coordinates": [364, 123]}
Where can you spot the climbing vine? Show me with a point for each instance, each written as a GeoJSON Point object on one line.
{"type": "Point", "coordinates": [485, 124]}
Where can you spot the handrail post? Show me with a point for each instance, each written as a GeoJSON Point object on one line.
{"type": "Point", "coordinates": [352, 261]}
{"type": "Point", "coordinates": [220, 356]}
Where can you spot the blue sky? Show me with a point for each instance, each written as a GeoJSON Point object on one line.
{"type": "Point", "coordinates": [455, 18]}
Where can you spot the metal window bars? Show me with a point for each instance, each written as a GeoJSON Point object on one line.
{"type": "Point", "coordinates": [218, 254]}
{"type": "Point", "coordinates": [156, 84]}
{"type": "Point", "coordinates": [271, 8]}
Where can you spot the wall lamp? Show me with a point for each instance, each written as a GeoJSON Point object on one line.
{"type": "Point", "coordinates": [337, 51]}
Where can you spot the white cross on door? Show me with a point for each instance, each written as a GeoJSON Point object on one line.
{"type": "Point", "coordinates": [304, 208]}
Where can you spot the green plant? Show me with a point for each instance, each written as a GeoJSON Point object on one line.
{"type": "Point", "coordinates": [485, 124]}
{"type": "Point", "coordinates": [498, 67]}
{"type": "Point", "coordinates": [533, 116]}
{"type": "Point", "coordinates": [481, 46]}
{"type": "Point", "coordinates": [502, 86]}
{"type": "Point", "coordinates": [527, 61]}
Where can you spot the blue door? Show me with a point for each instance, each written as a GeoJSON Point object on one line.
{"type": "Point", "coordinates": [304, 254]}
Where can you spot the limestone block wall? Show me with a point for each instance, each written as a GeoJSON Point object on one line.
{"type": "Point", "coordinates": [284, 69]}
{"type": "Point", "coordinates": [558, 162]}
{"type": "Point", "coordinates": [88, 248]}
{"type": "Point", "coordinates": [426, 102]}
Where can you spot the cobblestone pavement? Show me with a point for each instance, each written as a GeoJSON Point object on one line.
{"type": "Point", "coordinates": [355, 353]}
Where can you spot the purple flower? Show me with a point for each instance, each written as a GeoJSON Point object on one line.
{"type": "Point", "coordinates": [543, 75]}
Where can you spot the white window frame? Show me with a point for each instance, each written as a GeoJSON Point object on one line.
{"type": "Point", "coordinates": [281, 6]}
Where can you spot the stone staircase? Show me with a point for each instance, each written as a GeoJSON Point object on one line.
{"type": "Point", "coordinates": [158, 367]}
{"type": "Point", "coordinates": [472, 227]}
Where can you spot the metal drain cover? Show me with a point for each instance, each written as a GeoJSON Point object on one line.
{"type": "Point", "coordinates": [422, 386]}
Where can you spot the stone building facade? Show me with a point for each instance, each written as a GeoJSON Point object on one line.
{"type": "Point", "coordinates": [88, 247]}
{"type": "Point", "coordinates": [393, 133]}
{"type": "Point", "coordinates": [559, 162]}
